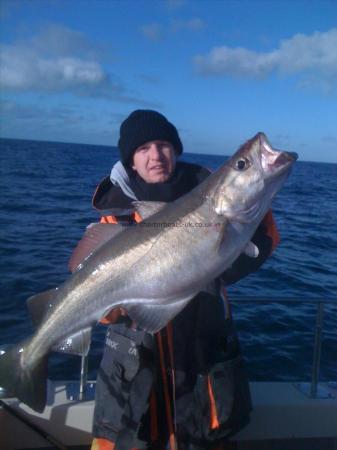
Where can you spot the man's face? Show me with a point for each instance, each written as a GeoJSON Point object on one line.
{"type": "Point", "coordinates": [155, 161]}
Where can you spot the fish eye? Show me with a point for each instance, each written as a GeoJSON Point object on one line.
{"type": "Point", "coordinates": [242, 164]}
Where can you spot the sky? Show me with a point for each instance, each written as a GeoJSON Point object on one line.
{"type": "Point", "coordinates": [72, 70]}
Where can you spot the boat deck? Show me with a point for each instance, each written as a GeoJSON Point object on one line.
{"type": "Point", "coordinates": [283, 444]}
{"type": "Point", "coordinates": [283, 419]}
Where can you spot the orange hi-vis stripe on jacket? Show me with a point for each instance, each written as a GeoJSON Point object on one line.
{"type": "Point", "coordinates": [113, 219]}
{"type": "Point", "coordinates": [272, 232]}
{"type": "Point", "coordinates": [104, 444]}
{"type": "Point", "coordinates": [163, 365]}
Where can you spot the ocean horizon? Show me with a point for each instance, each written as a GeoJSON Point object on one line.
{"type": "Point", "coordinates": [115, 148]}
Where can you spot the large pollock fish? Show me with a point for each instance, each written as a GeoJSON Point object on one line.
{"type": "Point", "coordinates": [152, 269]}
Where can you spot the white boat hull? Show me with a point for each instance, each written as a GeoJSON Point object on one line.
{"type": "Point", "coordinates": [281, 412]}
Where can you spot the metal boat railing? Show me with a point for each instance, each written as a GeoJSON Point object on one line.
{"type": "Point", "coordinates": [84, 389]}
{"type": "Point", "coordinates": [312, 389]}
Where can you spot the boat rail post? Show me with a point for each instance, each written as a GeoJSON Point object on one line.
{"type": "Point", "coordinates": [83, 376]}
{"type": "Point", "coordinates": [314, 389]}
{"type": "Point", "coordinates": [317, 350]}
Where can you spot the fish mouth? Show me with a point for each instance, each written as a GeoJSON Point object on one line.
{"type": "Point", "coordinates": [273, 161]}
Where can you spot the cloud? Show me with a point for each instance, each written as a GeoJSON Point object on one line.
{"type": "Point", "coordinates": [28, 113]}
{"type": "Point", "coordinates": [58, 60]}
{"type": "Point", "coordinates": [174, 4]}
{"type": "Point", "coordinates": [313, 55]}
{"type": "Point", "coordinates": [58, 40]}
{"type": "Point", "coordinates": [12, 110]}
{"type": "Point", "coordinates": [152, 31]}
{"type": "Point", "coordinates": [149, 79]}
{"type": "Point", "coordinates": [155, 31]}
{"type": "Point", "coordinates": [194, 24]}
{"type": "Point", "coordinates": [330, 140]}
{"type": "Point", "coordinates": [45, 122]}
{"type": "Point", "coordinates": [38, 120]}
{"type": "Point", "coordinates": [25, 69]}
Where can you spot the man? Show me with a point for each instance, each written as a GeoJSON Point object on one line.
{"type": "Point", "coordinates": [186, 386]}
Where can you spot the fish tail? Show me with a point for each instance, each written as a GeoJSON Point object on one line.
{"type": "Point", "coordinates": [26, 382]}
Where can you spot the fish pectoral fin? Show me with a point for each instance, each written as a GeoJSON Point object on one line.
{"type": "Point", "coordinates": [147, 209]}
{"type": "Point", "coordinates": [220, 240]}
{"type": "Point", "coordinates": [94, 237]}
{"type": "Point", "coordinates": [153, 317]}
{"type": "Point", "coordinates": [41, 305]}
{"type": "Point", "coordinates": [76, 344]}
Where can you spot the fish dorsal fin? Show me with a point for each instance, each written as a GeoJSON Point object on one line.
{"type": "Point", "coordinates": [94, 237]}
{"type": "Point", "coordinates": [153, 317]}
{"type": "Point", "coordinates": [147, 209]}
{"type": "Point", "coordinates": [40, 306]}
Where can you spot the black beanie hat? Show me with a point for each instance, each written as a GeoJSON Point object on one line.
{"type": "Point", "coordinates": [144, 125]}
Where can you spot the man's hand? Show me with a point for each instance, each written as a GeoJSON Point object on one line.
{"type": "Point", "coordinates": [114, 315]}
{"type": "Point", "coordinates": [251, 250]}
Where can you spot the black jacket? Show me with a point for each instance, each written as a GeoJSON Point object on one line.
{"type": "Point", "coordinates": [207, 381]}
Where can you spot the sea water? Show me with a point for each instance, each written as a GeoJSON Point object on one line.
{"type": "Point", "coordinates": [45, 204]}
